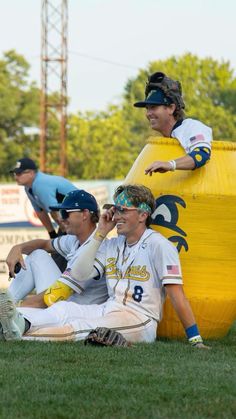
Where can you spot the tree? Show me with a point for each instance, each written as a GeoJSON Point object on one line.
{"type": "Point", "coordinates": [98, 146]}
{"type": "Point", "coordinates": [19, 107]}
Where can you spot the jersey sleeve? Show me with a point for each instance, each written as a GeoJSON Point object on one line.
{"type": "Point", "coordinates": [62, 245]}
{"type": "Point", "coordinates": [86, 266]}
{"type": "Point", "coordinates": [168, 264]}
{"type": "Point", "coordinates": [76, 285]}
{"type": "Point", "coordinates": [100, 259]}
{"type": "Point", "coordinates": [192, 134]}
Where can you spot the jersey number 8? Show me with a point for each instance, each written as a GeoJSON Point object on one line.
{"type": "Point", "coordinates": [138, 293]}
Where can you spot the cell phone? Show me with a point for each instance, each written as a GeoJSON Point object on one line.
{"type": "Point", "coordinates": [107, 206]}
{"type": "Point", "coordinates": [17, 269]}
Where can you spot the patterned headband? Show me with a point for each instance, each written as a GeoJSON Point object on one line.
{"type": "Point", "coordinates": [123, 199]}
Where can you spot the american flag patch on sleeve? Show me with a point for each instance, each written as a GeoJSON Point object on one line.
{"type": "Point", "coordinates": [172, 269]}
{"type": "Point", "coordinates": [197, 138]}
{"type": "Point", "coordinates": [66, 274]}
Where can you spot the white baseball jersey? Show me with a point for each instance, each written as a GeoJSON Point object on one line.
{"type": "Point", "coordinates": [135, 275]}
{"type": "Point", "coordinates": [96, 291]}
{"type": "Point", "coordinates": [192, 133]}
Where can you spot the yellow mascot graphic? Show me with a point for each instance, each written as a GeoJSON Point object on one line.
{"type": "Point", "coordinates": [196, 210]}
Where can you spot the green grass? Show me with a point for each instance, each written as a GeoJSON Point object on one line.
{"type": "Point", "coordinates": [167, 379]}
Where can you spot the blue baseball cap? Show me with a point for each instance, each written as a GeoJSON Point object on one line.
{"type": "Point", "coordinates": [77, 199]}
{"type": "Point", "coordinates": [154, 97]}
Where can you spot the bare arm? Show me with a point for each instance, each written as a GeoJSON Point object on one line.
{"type": "Point", "coordinates": [45, 220]}
{"type": "Point", "coordinates": [35, 301]}
{"type": "Point", "coordinates": [180, 304]}
{"type": "Point", "coordinates": [16, 253]}
{"type": "Point", "coordinates": [57, 218]}
{"type": "Point", "coordinates": [182, 163]}
{"type": "Point", "coordinates": [182, 308]}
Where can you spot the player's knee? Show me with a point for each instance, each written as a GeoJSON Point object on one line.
{"type": "Point", "coordinates": [37, 255]}
{"type": "Point", "coordinates": [58, 291]}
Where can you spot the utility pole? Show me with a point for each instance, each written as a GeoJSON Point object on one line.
{"type": "Point", "coordinates": [54, 58]}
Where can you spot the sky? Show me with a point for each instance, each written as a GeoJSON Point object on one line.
{"type": "Point", "coordinates": [109, 41]}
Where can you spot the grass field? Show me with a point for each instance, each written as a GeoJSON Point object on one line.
{"type": "Point", "coordinates": [167, 379]}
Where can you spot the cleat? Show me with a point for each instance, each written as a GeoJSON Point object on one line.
{"type": "Point", "coordinates": [12, 322]}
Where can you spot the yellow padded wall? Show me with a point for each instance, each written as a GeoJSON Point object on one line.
{"type": "Point", "coordinates": [196, 210]}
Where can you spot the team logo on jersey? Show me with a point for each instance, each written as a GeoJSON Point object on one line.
{"type": "Point", "coordinates": [166, 215]}
{"type": "Point", "coordinates": [134, 273]}
{"type": "Point", "coordinates": [111, 268]}
{"type": "Point", "coordinates": [137, 273]}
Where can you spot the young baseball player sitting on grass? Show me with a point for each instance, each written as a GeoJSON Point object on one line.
{"type": "Point", "coordinates": [80, 213]}
{"type": "Point", "coordinates": [141, 267]}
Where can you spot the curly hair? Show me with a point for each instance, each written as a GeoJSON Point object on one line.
{"type": "Point", "coordinates": [178, 113]}
{"type": "Point", "coordinates": [94, 217]}
{"type": "Point", "coordinates": [138, 194]}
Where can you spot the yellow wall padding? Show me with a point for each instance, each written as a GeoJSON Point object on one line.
{"type": "Point", "coordinates": [206, 224]}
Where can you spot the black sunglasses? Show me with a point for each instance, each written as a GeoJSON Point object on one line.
{"type": "Point", "coordinates": [66, 213]}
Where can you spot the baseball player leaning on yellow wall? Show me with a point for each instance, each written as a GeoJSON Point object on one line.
{"type": "Point", "coordinates": [165, 112]}
{"type": "Point", "coordinates": [141, 267]}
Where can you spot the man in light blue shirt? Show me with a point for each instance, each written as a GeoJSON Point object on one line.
{"type": "Point", "coordinates": [44, 191]}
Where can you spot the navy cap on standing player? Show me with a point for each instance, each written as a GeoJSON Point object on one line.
{"type": "Point", "coordinates": [78, 200]}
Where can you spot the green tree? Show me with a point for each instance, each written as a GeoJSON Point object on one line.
{"type": "Point", "coordinates": [98, 145]}
{"type": "Point", "coordinates": [19, 107]}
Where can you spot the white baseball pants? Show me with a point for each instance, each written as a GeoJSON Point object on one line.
{"type": "Point", "coordinates": [41, 271]}
{"type": "Point", "coordinates": [65, 321]}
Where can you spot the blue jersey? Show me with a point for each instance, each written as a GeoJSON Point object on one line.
{"type": "Point", "coordinates": [47, 191]}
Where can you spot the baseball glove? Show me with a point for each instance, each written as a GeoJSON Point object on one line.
{"type": "Point", "coordinates": [102, 336]}
{"type": "Point", "coordinates": [171, 88]}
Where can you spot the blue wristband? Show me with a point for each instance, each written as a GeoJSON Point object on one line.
{"type": "Point", "coordinates": [193, 335]}
{"type": "Point", "coordinates": [192, 331]}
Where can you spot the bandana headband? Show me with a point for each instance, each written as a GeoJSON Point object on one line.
{"type": "Point", "coordinates": [123, 199]}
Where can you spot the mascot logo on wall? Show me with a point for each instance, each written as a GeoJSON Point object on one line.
{"type": "Point", "coordinates": [166, 215]}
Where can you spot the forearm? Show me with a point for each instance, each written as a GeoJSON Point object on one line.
{"type": "Point", "coordinates": [181, 305]}
{"type": "Point", "coordinates": [83, 269]}
{"type": "Point", "coordinates": [45, 220]}
{"type": "Point", "coordinates": [58, 220]}
{"type": "Point", "coordinates": [28, 247]}
{"type": "Point", "coordinates": [35, 301]}
{"type": "Point", "coordinates": [184, 163]}
{"type": "Point", "coordinates": [185, 314]}
{"type": "Point", "coordinates": [197, 158]}
{"type": "Point", "coordinates": [16, 253]}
